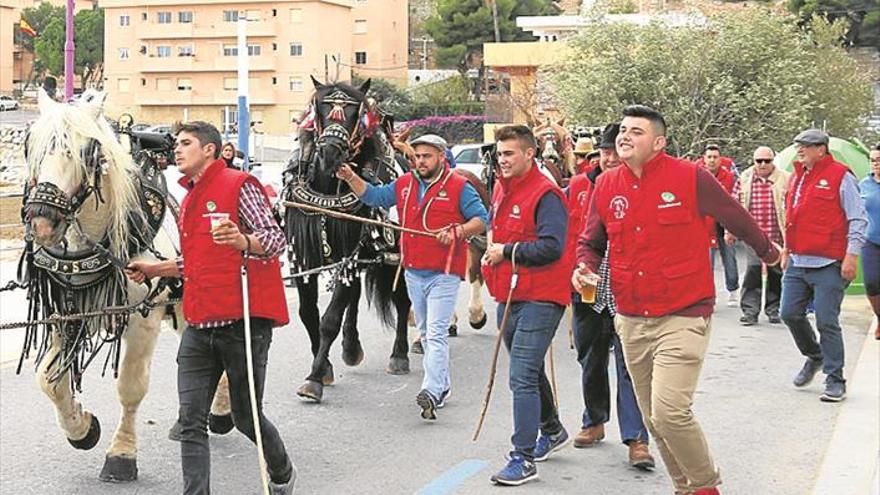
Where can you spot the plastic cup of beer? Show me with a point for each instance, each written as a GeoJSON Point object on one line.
{"type": "Point", "coordinates": [588, 290]}
{"type": "Point", "coordinates": [216, 219]}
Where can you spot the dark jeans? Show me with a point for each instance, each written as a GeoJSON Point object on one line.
{"type": "Point", "coordinates": [825, 287]}
{"type": "Point", "coordinates": [752, 287]}
{"type": "Point", "coordinates": [593, 334]}
{"type": "Point", "coordinates": [202, 357]}
{"type": "Point", "coordinates": [728, 259]}
{"type": "Point", "coordinates": [871, 268]}
{"type": "Point", "coordinates": [527, 336]}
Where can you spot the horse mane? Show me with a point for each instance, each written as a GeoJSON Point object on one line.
{"type": "Point", "coordinates": [69, 127]}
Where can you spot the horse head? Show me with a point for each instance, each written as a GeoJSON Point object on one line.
{"type": "Point", "coordinates": [555, 145]}
{"type": "Point", "coordinates": [76, 173]}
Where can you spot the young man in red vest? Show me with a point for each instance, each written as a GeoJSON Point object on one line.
{"type": "Point", "coordinates": [525, 265]}
{"type": "Point", "coordinates": [648, 215]}
{"type": "Point", "coordinates": [210, 265]}
{"type": "Point", "coordinates": [824, 232]}
{"type": "Point", "coordinates": [434, 199]}
{"type": "Point", "coordinates": [594, 331]}
{"type": "Point", "coordinates": [712, 162]}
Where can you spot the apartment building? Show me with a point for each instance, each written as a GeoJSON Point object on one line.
{"type": "Point", "coordinates": [8, 18]}
{"type": "Point", "coordinates": [167, 60]}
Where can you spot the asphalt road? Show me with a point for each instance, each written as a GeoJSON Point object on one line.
{"type": "Point", "coordinates": [367, 438]}
{"type": "Point", "coordinates": [17, 117]}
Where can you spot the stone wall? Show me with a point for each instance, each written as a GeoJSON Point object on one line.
{"type": "Point", "coordinates": [12, 166]}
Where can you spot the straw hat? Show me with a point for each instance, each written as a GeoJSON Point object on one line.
{"type": "Point", "coordinates": [583, 146]}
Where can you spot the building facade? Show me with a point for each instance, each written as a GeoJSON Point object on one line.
{"type": "Point", "coordinates": [168, 61]}
{"type": "Point", "coordinates": [9, 16]}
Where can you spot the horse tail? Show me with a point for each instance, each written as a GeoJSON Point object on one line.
{"type": "Point", "coordinates": [379, 282]}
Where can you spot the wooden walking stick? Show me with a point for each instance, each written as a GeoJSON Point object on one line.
{"type": "Point", "coordinates": [554, 390]}
{"type": "Point", "coordinates": [514, 277]}
{"type": "Point", "coordinates": [571, 327]}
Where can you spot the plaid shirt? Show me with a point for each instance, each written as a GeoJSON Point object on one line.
{"type": "Point", "coordinates": [256, 218]}
{"type": "Point", "coordinates": [604, 297]}
{"type": "Point", "coordinates": [762, 208]}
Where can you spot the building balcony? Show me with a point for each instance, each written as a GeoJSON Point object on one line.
{"type": "Point", "coordinates": [207, 96]}
{"type": "Point", "coordinates": [197, 30]}
{"type": "Point", "coordinates": [202, 62]}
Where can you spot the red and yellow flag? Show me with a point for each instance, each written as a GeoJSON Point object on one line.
{"type": "Point", "coordinates": [26, 28]}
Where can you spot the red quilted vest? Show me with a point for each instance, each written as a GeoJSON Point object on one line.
{"type": "Point", "coordinates": [579, 191]}
{"type": "Point", "coordinates": [726, 179]}
{"type": "Point", "coordinates": [817, 225]}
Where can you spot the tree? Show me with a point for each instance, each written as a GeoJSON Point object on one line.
{"type": "Point", "coordinates": [749, 78]}
{"type": "Point", "coordinates": [862, 17]}
{"type": "Point", "coordinates": [38, 17]}
{"type": "Point", "coordinates": [89, 40]}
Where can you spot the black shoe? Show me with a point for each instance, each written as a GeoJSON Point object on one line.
{"type": "Point", "coordinates": [428, 405]}
{"type": "Point", "coordinates": [806, 374]}
{"type": "Point", "coordinates": [774, 319]}
{"type": "Point", "coordinates": [835, 391]}
{"type": "Point", "coordinates": [453, 330]}
{"type": "Point", "coordinates": [747, 321]}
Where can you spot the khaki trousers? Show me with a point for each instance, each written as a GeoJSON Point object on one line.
{"type": "Point", "coordinates": [664, 357]}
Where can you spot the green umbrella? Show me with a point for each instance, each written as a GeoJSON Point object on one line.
{"type": "Point", "coordinates": [853, 154]}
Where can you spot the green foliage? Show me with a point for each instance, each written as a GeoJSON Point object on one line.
{"type": "Point", "coordinates": [448, 97]}
{"type": "Point", "coordinates": [460, 27]}
{"type": "Point", "coordinates": [88, 38]}
{"type": "Point", "coordinates": [751, 78]}
{"type": "Point", "coordinates": [38, 17]}
{"type": "Point", "coordinates": [869, 33]}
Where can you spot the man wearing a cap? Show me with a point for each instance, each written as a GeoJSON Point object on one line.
{"type": "Point", "coordinates": [594, 331]}
{"type": "Point", "coordinates": [824, 231]}
{"type": "Point", "coordinates": [431, 198]}
{"type": "Point", "coordinates": [648, 216]}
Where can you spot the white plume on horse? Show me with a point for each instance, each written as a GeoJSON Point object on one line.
{"type": "Point", "coordinates": [66, 129]}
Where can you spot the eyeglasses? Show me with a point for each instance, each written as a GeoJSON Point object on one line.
{"type": "Point", "coordinates": [875, 160]}
{"type": "Point", "coordinates": [763, 160]}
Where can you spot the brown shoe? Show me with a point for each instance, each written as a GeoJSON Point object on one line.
{"type": "Point", "coordinates": [589, 436]}
{"type": "Point", "coordinates": [640, 456]}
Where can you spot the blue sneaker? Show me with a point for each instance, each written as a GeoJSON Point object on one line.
{"type": "Point", "coordinates": [517, 471]}
{"type": "Point", "coordinates": [442, 400]}
{"type": "Point", "coordinates": [548, 444]}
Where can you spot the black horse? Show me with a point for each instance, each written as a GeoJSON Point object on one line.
{"type": "Point", "coordinates": [343, 126]}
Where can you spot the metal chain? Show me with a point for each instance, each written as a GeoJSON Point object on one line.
{"type": "Point", "coordinates": [121, 310]}
{"type": "Point", "coordinates": [12, 285]}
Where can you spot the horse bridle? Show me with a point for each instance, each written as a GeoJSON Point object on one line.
{"type": "Point", "coordinates": [352, 141]}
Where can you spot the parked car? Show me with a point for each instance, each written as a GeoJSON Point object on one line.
{"type": "Point", "coordinates": [470, 157]}
{"type": "Point", "coordinates": [8, 103]}
{"type": "Point", "coordinates": [161, 129]}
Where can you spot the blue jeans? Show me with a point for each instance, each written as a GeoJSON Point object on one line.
{"type": "Point", "coordinates": [825, 287]}
{"type": "Point", "coordinates": [529, 331]}
{"type": "Point", "coordinates": [593, 334]}
{"type": "Point", "coordinates": [433, 296]}
{"type": "Point", "coordinates": [728, 259]}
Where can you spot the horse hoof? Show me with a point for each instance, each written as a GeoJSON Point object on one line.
{"type": "Point", "coordinates": [91, 438]}
{"type": "Point", "coordinates": [398, 366]}
{"type": "Point", "coordinates": [328, 377]}
{"type": "Point", "coordinates": [453, 330]}
{"type": "Point", "coordinates": [220, 424]}
{"type": "Point", "coordinates": [119, 469]}
{"type": "Point", "coordinates": [476, 325]}
{"type": "Point", "coordinates": [353, 356]}
{"type": "Point", "coordinates": [311, 390]}
{"type": "Point", "coordinates": [174, 432]}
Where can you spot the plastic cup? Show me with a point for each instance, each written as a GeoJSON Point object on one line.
{"type": "Point", "coordinates": [588, 291]}
{"type": "Point", "coordinates": [216, 219]}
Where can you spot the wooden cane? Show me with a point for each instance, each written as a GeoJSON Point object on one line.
{"type": "Point", "coordinates": [554, 390]}
{"type": "Point", "coordinates": [513, 280]}
{"type": "Point", "coordinates": [571, 327]}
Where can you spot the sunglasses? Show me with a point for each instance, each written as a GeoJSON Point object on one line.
{"type": "Point", "coordinates": [763, 160]}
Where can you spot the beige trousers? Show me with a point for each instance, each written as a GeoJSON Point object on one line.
{"type": "Point", "coordinates": [664, 357]}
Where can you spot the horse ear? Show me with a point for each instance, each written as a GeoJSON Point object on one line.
{"type": "Point", "coordinates": [317, 83]}
{"type": "Point", "coordinates": [561, 122]}
{"type": "Point", "coordinates": [93, 102]}
{"type": "Point", "coordinates": [403, 136]}
{"type": "Point", "coordinates": [44, 101]}
{"type": "Point", "coordinates": [365, 86]}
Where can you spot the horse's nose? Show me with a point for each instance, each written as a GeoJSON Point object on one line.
{"type": "Point", "coordinates": [43, 229]}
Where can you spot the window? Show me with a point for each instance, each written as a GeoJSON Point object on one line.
{"type": "Point", "coordinates": [143, 82]}
{"type": "Point", "coordinates": [184, 84]}
{"type": "Point", "coordinates": [230, 50]}
{"type": "Point", "coordinates": [230, 83]}
{"type": "Point", "coordinates": [143, 16]}
{"type": "Point", "coordinates": [229, 118]}
{"type": "Point", "coordinates": [360, 26]}
{"type": "Point", "coordinates": [296, 49]}
{"type": "Point", "coordinates": [163, 84]}
{"type": "Point", "coordinates": [295, 84]}
{"type": "Point", "coordinates": [274, 81]}
{"type": "Point", "coordinates": [254, 50]}
{"type": "Point", "coordinates": [123, 54]}
{"type": "Point", "coordinates": [185, 51]}
{"type": "Point", "coordinates": [274, 12]}
{"type": "Point", "coordinates": [360, 58]}
{"type": "Point", "coordinates": [163, 17]}
{"type": "Point", "coordinates": [230, 15]}
{"type": "Point", "coordinates": [124, 20]}
{"type": "Point", "coordinates": [253, 15]}
{"type": "Point", "coordinates": [185, 17]}
{"type": "Point", "coordinates": [471, 155]}
{"type": "Point", "coordinates": [163, 51]}
{"type": "Point", "coordinates": [274, 47]}
{"type": "Point", "coordinates": [296, 15]}
{"type": "Point", "coordinates": [123, 84]}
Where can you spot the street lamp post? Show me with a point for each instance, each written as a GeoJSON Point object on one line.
{"type": "Point", "coordinates": [68, 51]}
{"type": "Point", "coordinates": [244, 121]}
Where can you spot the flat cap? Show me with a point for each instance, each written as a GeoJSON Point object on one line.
{"type": "Point", "coordinates": [812, 136]}
{"type": "Point", "coordinates": [431, 140]}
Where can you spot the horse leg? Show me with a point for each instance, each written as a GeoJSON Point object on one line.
{"type": "Point", "coordinates": [134, 380]}
{"type": "Point", "coordinates": [220, 417]}
{"type": "Point", "coordinates": [310, 315]}
{"type": "Point", "coordinates": [331, 322]}
{"type": "Point", "coordinates": [476, 313]}
{"type": "Point", "coordinates": [352, 351]}
{"type": "Point", "coordinates": [81, 427]}
{"type": "Point", "coordinates": [398, 364]}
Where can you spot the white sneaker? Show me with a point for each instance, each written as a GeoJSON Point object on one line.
{"type": "Point", "coordinates": [732, 299]}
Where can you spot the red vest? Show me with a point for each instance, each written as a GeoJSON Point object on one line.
{"type": "Point", "coordinates": [579, 191]}
{"type": "Point", "coordinates": [514, 203]}
{"type": "Point", "coordinates": [658, 247]}
{"type": "Point", "coordinates": [439, 208]}
{"type": "Point", "coordinates": [817, 225]}
{"type": "Point", "coordinates": [726, 179]}
{"type": "Point", "coordinates": [211, 272]}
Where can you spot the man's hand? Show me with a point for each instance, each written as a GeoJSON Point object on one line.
{"type": "Point", "coordinates": [344, 172]}
{"type": "Point", "coordinates": [729, 239]}
{"type": "Point", "coordinates": [227, 234]}
{"type": "Point", "coordinates": [494, 254]}
{"type": "Point", "coordinates": [583, 276]}
{"type": "Point", "coordinates": [849, 267]}
{"type": "Point", "coordinates": [783, 259]}
{"type": "Point", "coordinates": [138, 271]}
{"type": "Point", "coordinates": [446, 236]}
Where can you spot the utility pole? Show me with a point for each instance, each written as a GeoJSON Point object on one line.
{"type": "Point", "coordinates": [68, 51]}
{"type": "Point", "coordinates": [495, 20]}
{"type": "Point", "coordinates": [244, 121]}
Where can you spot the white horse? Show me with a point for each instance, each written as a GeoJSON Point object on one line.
{"type": "Point", "coordinates": [86, 209]}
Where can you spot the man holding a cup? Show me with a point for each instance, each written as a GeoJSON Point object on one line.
{"type": "Point", "coordinates": [648, 215]}
{"type": "Point", "coordinates": [594, 309]}
{"type": "Point", "coordinates": [224, 219]}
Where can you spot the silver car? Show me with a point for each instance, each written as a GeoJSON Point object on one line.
{"type": "Point", "coordinates": [8, 103]}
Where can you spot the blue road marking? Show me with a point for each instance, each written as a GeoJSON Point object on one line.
{"type": "Point", "coordinates": [454, 478]}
